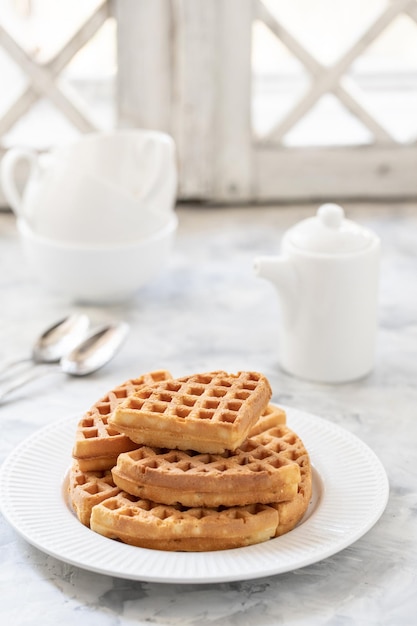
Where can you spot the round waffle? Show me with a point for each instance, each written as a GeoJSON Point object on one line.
{"type": "Point", "coordinates": [143, 523]}
{"type": "Point", "coordinates": [98, 502]}
{"type": "Point", "coordinates": [89, 487]}
{"type": "Point", "coordinates": [149, 525]}
{"type": "Point", "coordinates": [263, 469]}
{"type": "Point", "coordinates": [291, 512]}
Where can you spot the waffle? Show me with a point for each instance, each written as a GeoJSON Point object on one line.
{"type": "Point", "coordinates": [292, 511]}
{"type": "Point", "coordinates": [263, 469]}
{"type": "Point", "coordinates": [198, 463]}
{"type": "Point", "coordinates": [149, 525]}
{"type": "Point", "coordinates": [272, 416]}
{"type": "Point", "coordinates": [99, 503]}
{"type": "Point", "coordinates": [291, 446]}
{"type": "Point", "coordinates": [97, 444]}
{"type": "Point", "coordinates": [86, 489]}
{"type": "Point", "coordinates": [210, 412]}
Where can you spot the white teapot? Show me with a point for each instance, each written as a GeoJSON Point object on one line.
{"type": "Point", "coordinates": [327, 279]}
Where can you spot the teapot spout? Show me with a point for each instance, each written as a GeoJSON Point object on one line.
{"type": "Point", "coordinates": [280, 271]}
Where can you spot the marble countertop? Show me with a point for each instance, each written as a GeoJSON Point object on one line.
{"type": "Point", "coordinates": [209, 311]}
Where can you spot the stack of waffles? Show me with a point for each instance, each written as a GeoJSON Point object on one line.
{"type": "Point", "coordinates": [198, 463]}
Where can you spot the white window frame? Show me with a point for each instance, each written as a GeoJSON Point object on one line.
{"type": "Point", "coordinates": [188, 71]}
{"type": "Point", "coordinates": [184, 67]}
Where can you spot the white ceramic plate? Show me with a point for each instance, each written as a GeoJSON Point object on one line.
{"type": "Point", "coordinates": [350, 494]}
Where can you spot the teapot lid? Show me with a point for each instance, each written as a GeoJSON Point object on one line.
{"type": "Point", "coordinates": [330, 233]}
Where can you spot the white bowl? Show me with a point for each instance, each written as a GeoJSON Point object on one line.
{"type": "Point", "coordinates": [101, 273]}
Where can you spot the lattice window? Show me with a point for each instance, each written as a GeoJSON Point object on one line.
{"type": "Point", "coordinates": [184, 66]}
{"type": "Point", "coordinates": [364, 91]}
{"type": "Point", "coordinates": [55, 87]}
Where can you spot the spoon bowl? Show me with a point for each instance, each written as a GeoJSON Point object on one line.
{"type": "Point", "coordinates": [51, 345]}
{"type": "Point", "coordinates": [90, 355]}
{"type": "Point", "coordinates": [95, 351]}
{"type": "Point", "coordinates": [60, 338]}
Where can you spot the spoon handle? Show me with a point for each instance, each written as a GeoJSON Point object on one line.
{"type": "Point", "coordinates": [8, 368]}
{"type": "Point", "coordinates": [23, 379]}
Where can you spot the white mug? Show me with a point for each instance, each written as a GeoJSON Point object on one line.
{"type": "Point", "coordinates": [110, 187]}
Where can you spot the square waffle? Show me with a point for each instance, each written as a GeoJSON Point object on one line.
{"type": "Point", "coordinates": [210, 412]}
{"type": "Point", "coordinates": [97, 443]}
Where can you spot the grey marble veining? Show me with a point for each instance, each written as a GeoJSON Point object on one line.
{"type": "Point", "coordinates": [208, 311]}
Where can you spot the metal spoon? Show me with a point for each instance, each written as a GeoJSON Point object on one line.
{"type": "Point", "coordinates": [86, 358]}
{"type": "Point", "coordinates": [53, 343]}
{"type": "Point", "coordinates": [96, 350]}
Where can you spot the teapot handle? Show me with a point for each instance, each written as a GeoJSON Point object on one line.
{"type": "Point", "coordinates": [8, 167]}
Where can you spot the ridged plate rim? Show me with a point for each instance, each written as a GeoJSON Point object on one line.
{"type": "Point", "coordinates": [350, 494]}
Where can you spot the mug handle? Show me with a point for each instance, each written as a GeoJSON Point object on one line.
{"type": "Point", "coordinates": [166, 161]}
{"type": "Point", "coordinates": [8, 176]}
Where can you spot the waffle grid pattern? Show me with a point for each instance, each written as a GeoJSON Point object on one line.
{"type": "Point", "coordinates": [252, 473]}
{"type": "Point", "coordinates": [251, 457]}
{"type": "Point", "coordinates": [95, 437]}
{"type": "Point", "coordinates": [213, 397]}
{"type": "Point", "coordinates": [88, 489]}
{"type": "Point", "coordinates": [144, 523]}
{"type": "Point", "coordinates": [129, 506]}
{"type": "Point", "coordinates": [213, 465]}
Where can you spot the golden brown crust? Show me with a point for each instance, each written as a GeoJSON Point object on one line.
{"type": "Point", "coordinates": [86, 489]}
{"type": "Point", "coordinates": [272, 416]}
{"type": "Point", "coordinates": [254, 473]}
{"type": "Point", "coordinates": [121, 519]}
{"type": "Point", "coordinates": [201, 462]}
{"type": "Point", "coordinates": [290, 513]}
{"type": "Point", "coordinates": [97, 443]}
{"type": "Point", "coordinates": [149, 525]}
{"type": "Point", "coordinates": [97, 464]}
{"type": "Point", "coordinates": [210, 412]}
